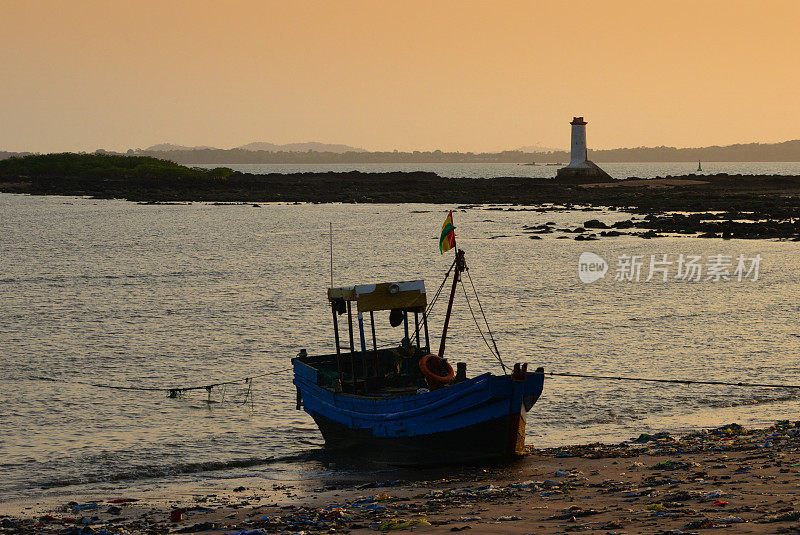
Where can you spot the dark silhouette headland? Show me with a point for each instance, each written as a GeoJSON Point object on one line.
{"type": "Point", "coordinates": [750, 206]}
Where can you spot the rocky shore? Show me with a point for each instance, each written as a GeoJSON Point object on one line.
{"type": "Point", "coordinates": [726, 226]}
{"type": "Point", "coordinates": [774, 195]}
{"type": "Point", "coordinates": [724, 480]}
{"type": "Point", "coordinates": [724, 206]}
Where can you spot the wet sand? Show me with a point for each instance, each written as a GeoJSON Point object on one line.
{"type": "Point", "coordinates": [726, 480]}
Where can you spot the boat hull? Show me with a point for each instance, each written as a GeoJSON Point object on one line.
{"type": "Point", "coordinates": [481, 418]}
{"type": "Point", "coordinates": [472, 443]}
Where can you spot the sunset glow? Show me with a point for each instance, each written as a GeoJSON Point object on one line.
{"type": "Point", "coordinates": [467, 76]}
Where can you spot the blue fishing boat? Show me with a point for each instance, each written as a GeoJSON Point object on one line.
{"type": "Point", "coordinates": [402, 404]}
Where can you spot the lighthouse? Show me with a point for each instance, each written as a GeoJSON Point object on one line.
{"type": "Point", "coordinates": [580, 168]}
{"type": "Point", "coordinates": [578, 154]}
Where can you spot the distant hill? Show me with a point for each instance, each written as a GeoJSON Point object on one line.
{"type": "Point", "coordinates": [300, 147]}
{"type": "Point", "coordinates": [320, 153]}
{"type": "Point", "coordinates": [537, 148]}
{"type": "Point", "coordinates": [171, 146]}
{"type": "Point", "coordinates": [260, 145]}
{"type": "Point", "coordinates": [5, 154]}
{"type": "Point", "coordinates": [787, 151]}
{"type": "Point", "coordinates": [243, 156]}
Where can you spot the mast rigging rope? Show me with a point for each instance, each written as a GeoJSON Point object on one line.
{"type": "Point", "coordinates": [486, 321]}
{"type": "Point", "coordinates": [480, 331]}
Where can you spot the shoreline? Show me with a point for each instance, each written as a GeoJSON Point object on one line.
{"type": "Point", "coordinates": [740, 206]}
{"type": "Point", "coordinates": [145, 179]}
{"type": "Point", "coordinates": [777, 224]}
{"type": "Point", "coordinates": [727, 479]}
{"type": "Point", "coordinates": [707, 206]}
{"type": "Point", "coordinates": [718, 191]}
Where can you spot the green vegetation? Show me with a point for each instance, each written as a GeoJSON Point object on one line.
{"type": "Point", "coordinates": [102, 166]}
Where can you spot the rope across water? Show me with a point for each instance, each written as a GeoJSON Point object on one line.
{"type": "Point", "coordinates": [248, 380]}
{"type": "Point", "coordinates": [176, 391]}
{"type": "Point", "coordinates": [672, 381]}
{"type": "Point", "coordinates": [173, 391]}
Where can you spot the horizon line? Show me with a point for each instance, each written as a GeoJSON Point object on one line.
{"type": "Point", "coordinates": [188, 148]}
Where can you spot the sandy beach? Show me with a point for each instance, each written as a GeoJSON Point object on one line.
{"type": "Point", "coordinates": [724, 480]}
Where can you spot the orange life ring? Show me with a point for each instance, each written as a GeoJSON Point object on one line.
{"type": "Point", "coordinates": [430, 366]}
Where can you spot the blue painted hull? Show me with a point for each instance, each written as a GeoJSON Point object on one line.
{"type": "Point", "coordinates": [479, 418]}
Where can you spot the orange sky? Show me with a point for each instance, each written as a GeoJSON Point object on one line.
{"type": "Point", "coordinates": [409, 75]}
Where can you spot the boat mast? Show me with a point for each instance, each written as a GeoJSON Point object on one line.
{"type": "Point", "coordinates": [460, 265]}
{"type": "Point", "coordinates": [331, 242]}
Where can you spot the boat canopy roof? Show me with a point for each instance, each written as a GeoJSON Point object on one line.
{"type": "Point", "coordinates": [409, 295]}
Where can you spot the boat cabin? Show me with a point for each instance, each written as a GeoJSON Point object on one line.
{"type": "Point", "coordinates": [359, 366]}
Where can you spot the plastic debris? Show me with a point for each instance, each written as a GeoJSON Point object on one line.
{"type": "Point", "coordinates": [713, 495]}
{"type": "Point", "coordinates": [85, 507]}
{"type": "Point", "coordinates": [399, 523]}
{"type": "Point", "coordinates": [670, 465]}
{"type": "Point", "coordinates": [689, 483]}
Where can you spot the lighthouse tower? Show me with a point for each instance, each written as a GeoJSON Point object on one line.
{"type": "Point", "coordinates": [580, 169]}
{"type": "Point", "coordinates": [578, 153]}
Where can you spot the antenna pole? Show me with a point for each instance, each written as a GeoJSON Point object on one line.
{"type": "Point", "coordinates": [331, 243]}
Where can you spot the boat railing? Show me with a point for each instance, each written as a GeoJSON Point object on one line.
{"type": "Point", "coordinates": [358, 373]}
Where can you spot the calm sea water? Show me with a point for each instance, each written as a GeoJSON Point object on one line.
{"type": "Point", "coordinates": [493, 170]}
{"type": "Point", "coordinates": [118, 293]}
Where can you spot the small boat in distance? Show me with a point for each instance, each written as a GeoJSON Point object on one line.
{"type": "Point", "coordinates": [402, 404]}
